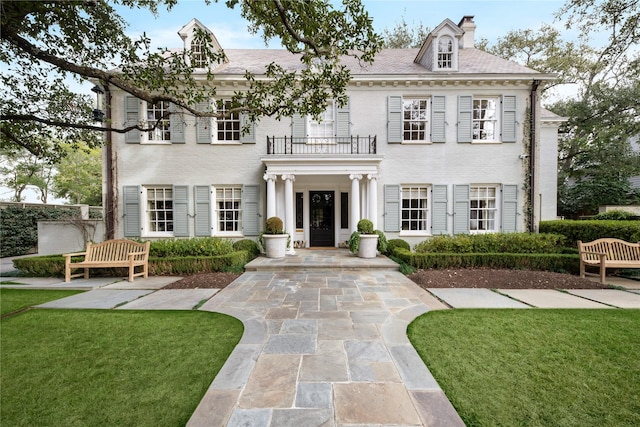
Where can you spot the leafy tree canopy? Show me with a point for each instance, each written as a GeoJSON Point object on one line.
{"type": "Point", "coordinates": [44, 42]}
{"type": "Point", "coordinates": [403, 36]}
{"type": "Point", "coordinates": [79, 176]}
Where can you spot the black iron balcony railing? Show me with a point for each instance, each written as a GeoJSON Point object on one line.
{"type": "Point", "coordinates": [312, 146]}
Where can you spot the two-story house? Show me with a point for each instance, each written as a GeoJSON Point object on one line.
{"type": "Point", "coordinates": [442, 139]}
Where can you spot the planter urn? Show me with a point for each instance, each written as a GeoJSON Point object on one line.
{"type": "Point", "coordinates": [368, 246]}
{"type": "Point", "coordinates": [275, 245]}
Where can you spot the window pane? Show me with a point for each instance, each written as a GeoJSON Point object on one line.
{"type": "Point", "coordinates": [415, 122]}
{"type": "Point", "coordinates": [160, 209]}
{"type": "Point", "coordinates": [414, 212]}
{"type": "Point", "coordinates": [228, 200]}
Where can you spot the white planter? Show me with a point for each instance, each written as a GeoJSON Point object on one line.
{"type": "Point", "coordinates": [368, 246]}
{"type": "Point", "coordinates": [275, 245]}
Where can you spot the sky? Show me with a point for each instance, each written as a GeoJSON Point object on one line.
{"type": "Point", "coordinates": [493, 19]}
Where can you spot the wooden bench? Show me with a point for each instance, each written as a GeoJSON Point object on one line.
{"type": "Point", "coordinates": [112, 253]}
{"type": "Point", "coordinates": [608, 253]}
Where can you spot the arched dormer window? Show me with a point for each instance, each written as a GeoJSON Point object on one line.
{"type": "Point", "coordinates": [445, 53]}
{"type": "Point", "coordinates": [198, 58]}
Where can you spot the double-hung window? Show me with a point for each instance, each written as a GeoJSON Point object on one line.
{"type": "Point", "coordinates": [483, 209]}
{"type": "Point", "coordinates": [158, 117]}
{"type": "Point", "coordinates": [198, 59]}
{"type": "Point", "coordinates": [415, 121]}
{"type": "Point", "coordinates": [415, 208]}
{"type": "Point", "coordinates": [322, 129]}
{"type": "Point", "coordinates": [159, 210]}
{"type": "Point", "coordinates": [228, 125]}
{"type": "Point", "coordinates": [228, 209]}
{"type": "Point", "coordinates": [485, 119]}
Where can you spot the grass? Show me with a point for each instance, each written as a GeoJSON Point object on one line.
{"type": "Point", "coordinates": [92, 367]}
{"type": "Point", "coordinates": [535, 367]}
{"type": "Point", "coordinates": [15, 299]}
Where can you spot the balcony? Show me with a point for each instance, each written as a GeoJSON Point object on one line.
{"type": "Point", "coordinates": [348, 145]}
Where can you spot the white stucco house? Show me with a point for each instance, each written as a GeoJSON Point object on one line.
{"type": "Point", "coordinates": [442, 139]}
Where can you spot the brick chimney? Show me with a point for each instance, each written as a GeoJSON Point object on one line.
{"type": "Point", "coordinates": [469, 27]}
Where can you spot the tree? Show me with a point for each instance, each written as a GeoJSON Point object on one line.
{"type": "Point", "coordinates": [21, 169]}
{"type": "Point", "coordinates": [45, 42]}
{"type": "Point", "coordinates": [402, 36]}
{"type": "Point", "coordinates": [595, 150]}
{"type": "Point", "coordinates": [79, 176]}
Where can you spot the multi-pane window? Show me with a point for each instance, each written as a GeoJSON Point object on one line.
{"type": "Point", "coordinates": [415, 208]}
{"type": "Point", "coordinates": [158, 117]}
{"type": "Point", "coordinates": [229, 214]}
{"type": "Point", "coordinates": [415, 119]}
{"type": "Point", "coordinates": [198, 59]}
{"type": "Point", "coordinates": [445, 53]}
{"type": "Point", "coordinates": [228, 123]}
{"type": "Point", "coordinates": [482, 216]}
{"type": "Point", "coordinates": [160, 209]}
{"type": "Point", "coordinates": [485, 119]}
{"type": "Point", "coordinates": [322, 128]}
{"type": "Point", "coordinates": [299, 210]}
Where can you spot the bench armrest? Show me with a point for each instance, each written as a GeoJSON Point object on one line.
{"type": "Point", "coordinates": [74, 254]}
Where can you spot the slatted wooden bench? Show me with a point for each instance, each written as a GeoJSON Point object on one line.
{"type": "Point", "coordinates": [112, 253]}
{"type": "Point", "coordinates": [608, 253]}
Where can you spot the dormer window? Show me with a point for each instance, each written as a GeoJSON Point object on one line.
{"type": "Point", "coordinates": [198, 59]}
{"type": "Point", "coordinates": [445, 52]}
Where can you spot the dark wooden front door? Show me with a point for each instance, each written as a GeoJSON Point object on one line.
{"type": "Point", "coordinates": [322, 220]}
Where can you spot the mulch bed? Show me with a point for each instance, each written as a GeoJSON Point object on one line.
{"type": "Point", "coordinates": [461, 278]}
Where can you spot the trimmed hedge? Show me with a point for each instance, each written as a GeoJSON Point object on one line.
{"type": "Point", "coordinates": [589, 230]}
{"type": "Point", "coordinates": [563, 263]}
{"type": "Point", "coordinates": [197, 246]}
{"type": "Point", "coordinates": [53, 266]}
{"type": "Point", "coordinates": [397, 243]}
{"type": "Point", "coordinates": [514, 243]}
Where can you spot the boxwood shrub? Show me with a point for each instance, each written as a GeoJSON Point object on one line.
{"type": "Point", "coordinates": [53, 266]}
{"type": "Point", "coordinates": [562, 263]}
{"type": "Point", "coordinates": [515, 243]}
{"type": "Point", "coordinates": [199, 246]}
{"type": "Point", "coordinates": [588, 230]}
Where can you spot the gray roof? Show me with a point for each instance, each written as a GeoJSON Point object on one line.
{"type": "Point", "coordinates": [387, 62]}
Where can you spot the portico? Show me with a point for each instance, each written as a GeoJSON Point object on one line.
{"type": "Point", "coordinates": [321, 199]}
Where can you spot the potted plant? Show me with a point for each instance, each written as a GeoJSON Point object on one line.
{"type": "Point", "coordinates": [365, 241]}
{"type": "Point", "coordinates": [274, 237]}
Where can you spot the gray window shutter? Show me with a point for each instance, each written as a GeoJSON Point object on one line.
{"type": "Point", "coordinates": [131, 202]}
{"type": "Point", "coordinates": [438, 118]}
{"type": "Point", "coordinates": [394, 120]}
{"type": "Point", "coordinates": [250, 136]}
{"type": "Point", "coordinates": [181, 210]}
{"type": "Point", "coordinates": [131, 118]}
{"type": "Point", "coordinates": [509, 208]}
{"type": "Point", "coordinates": [203, 125]}
{"type": "Point", "coordinates": [250, 212]}
{"type": "Point", "coordinates": [299, 128]}
{"type": "Point", "coordinates": [343, 120]}
{"type": "Point", "coordinates": [461, 207]}
{"type": "Point", "coordinates": [465, 118]}
{"type": "Point", "coordinates": [391, 208]}
{"type": "Point", "coordinates": [439, 214]}
{"type": "Point", "coordinates": [202, 196]}
{"type": "Point", "coordinates": [509, 118]}
{"type": "Point", "coordinates": [176, 123]}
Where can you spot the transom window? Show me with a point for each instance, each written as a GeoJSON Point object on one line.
{"type": "Point", "coordinates": [482, 216]}
{"type": "Point", "coordinates": [229, 124]}
{"type": "Point", "coordinates": [322, 128]}
{"type": "Point", "coordinates": [415, 208]}
{"type": "Point", "coordinates": [415, 119]}
{"type": "Point", "coordinates": [228, 201]}
{"type": "Point", "coordinates": [160, 209]}
{"type": "Point", "coordinates": [485, 119]}
{"type": "Point", "coordinates": [158, 116]}
{"type": "Point", "coordinates": [445, 52]}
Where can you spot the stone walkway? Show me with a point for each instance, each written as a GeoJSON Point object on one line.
{"type": "Point", "coordinates": [324, 347]}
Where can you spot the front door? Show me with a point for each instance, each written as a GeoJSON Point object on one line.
{"type": "Point", "coordinates": [322, 220]}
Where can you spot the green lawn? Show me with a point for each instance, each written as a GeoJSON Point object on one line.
{"type": "Point", "coordinates": [535, 367]}
{"type": "Point", "coordinates": [15, 299]}
{"type": "Point", "coordinates": [91, 367]}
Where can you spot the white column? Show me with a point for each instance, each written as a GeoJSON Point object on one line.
{"type": "Point", "coordinates": [355, 201]}
{"type": "Point", "coordinates": [373, 199]}
{"type": "Point", "coordinates": [289, 203]}
{"type": "Point", "coordinates": [271, 194]}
